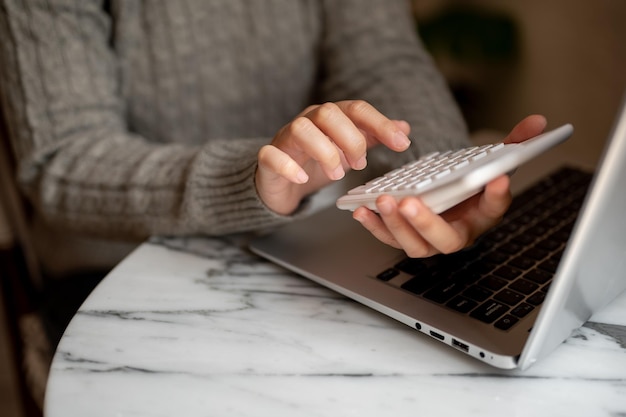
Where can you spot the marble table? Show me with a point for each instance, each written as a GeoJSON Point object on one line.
{"type": "Point", "coordinates": [201, 327]}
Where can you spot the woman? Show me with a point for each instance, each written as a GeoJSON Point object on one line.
{"type": "Point", "coordinates": [135, 118]}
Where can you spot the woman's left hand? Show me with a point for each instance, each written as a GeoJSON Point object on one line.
{"type": "Point", "coordinates": [411, 226]}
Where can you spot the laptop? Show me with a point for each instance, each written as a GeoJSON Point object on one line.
{"type": "Point", "coordinates": [557, 257]}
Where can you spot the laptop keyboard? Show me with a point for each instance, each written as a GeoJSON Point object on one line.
{"type": "Point", "coordinates": [507, 273]}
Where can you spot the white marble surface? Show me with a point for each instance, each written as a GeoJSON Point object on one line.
{"type": "Point", "coordinates": [198, 327]}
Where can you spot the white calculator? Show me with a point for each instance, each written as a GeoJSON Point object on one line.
{"type": "Point", "coordinates": [444, 179]}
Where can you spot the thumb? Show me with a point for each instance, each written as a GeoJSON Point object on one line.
{"type": "Point", "coordinates": [529, 127]}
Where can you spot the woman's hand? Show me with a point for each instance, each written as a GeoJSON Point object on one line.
{"type": "Point", "coordinates": [318, 147]}
{"type": "Point", "coordinates": [411, 226]}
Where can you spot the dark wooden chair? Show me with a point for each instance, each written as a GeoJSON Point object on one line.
{"type": "Point", "coordinates": [21, 284]}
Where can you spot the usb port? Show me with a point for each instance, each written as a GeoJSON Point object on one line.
{"type": "Point", "coordinates": [437, 335]}
{"type": "Point", "coordinates": [460, 345]}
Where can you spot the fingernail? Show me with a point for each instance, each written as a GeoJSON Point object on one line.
{"type": "Point", "coordinates": [338, 173]}
{"type": "Point", "coordinates": [361, 163]}
{"type": "Point", "coordinates": [409, 210]}
{"type": "Point", "coordinates": [302, 177]}
{"type": "Point", "coordinates": [384, 207]}
{"type": "Point", "coordinates": [401, 140]}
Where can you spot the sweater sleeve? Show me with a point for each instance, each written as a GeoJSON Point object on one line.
{"type": "Point", "coordinates": [79, 163]}
{"type": "Point", "coordinates": [381, 59]}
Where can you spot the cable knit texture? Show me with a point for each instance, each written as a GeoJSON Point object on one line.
{"type": "Point", "coordinates": [134, 118]}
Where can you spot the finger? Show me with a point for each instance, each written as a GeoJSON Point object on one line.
{"type": "Point", "coordinates": [308, 109]}
{"type": "Point", "coordinates": [274, 161]}
{"type": "Point", "coordinates": [482, 211]}
{"type": "Point", "coordinates": [496, 198]}
{"type": "Point", "coordinates": [335, 124]}
{"type": "Point", "coordinates": [403, 125]}
{"type": "Point", "coordinates": [529, 127]}
{"type": "Point", "coordinates": [440, 234]}
{"type": "Point", "coordinates": [375, 226]}
{"type": "Point", "coordinates": [375, 124]}
{"type": "Point", "coordinates": [302, 139]}
{"type": "Point", "coordinates": [403, 232]}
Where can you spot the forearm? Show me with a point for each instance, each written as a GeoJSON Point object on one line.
{"type": "Point", "coordinates": [79, 161]}
{"type": "Point", "coordinates": [124, 187]}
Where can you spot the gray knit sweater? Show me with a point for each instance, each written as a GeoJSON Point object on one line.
{"type": "Point", "coordinates": [145, 117]}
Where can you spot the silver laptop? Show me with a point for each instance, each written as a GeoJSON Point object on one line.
{"type": "Point", "coordinates": [558, 256]}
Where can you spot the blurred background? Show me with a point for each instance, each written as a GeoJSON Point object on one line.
{"type": "Point", "coordinates": [565, 59]}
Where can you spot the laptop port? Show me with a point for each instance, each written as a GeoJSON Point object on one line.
{"type": "Point", "coordinates": [460, 345]}
{"type": "Point", "coordinates": [437, 335]}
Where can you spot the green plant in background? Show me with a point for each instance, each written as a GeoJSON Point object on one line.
{"type": "Point", "coordinates": [471, 35]}
{"type": "Point", "coordinates": [475, 48]}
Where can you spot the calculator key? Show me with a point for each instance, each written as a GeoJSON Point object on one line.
{"type": "Point", "coordinates": [359, 190]}
{"type": "Point", "coordinates": [442, 173]}
{"type": "Point", "coordinates": [496, 147]}
{"type": "Point", "coordinates": [460, 164]}
{"type": "Point", "coordinates": [478, 156]}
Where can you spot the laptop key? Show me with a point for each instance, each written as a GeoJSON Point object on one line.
{"type": "Point", "coordinates": [522, 262]}
{"type": "Point", "coordinates": [489, 311]}
{"type": "Point", "coordinates": [524, 286]}
{"type": "Point", "coordinates": [444, 291]}
{"type": "Point", "coordinates": [462, 304]}
{"type": "Point", "coordinates": [493, 283]}
{"type": "Point", "coordinates": [509, 297]}
{"type": "Point", "coordinates": [539, 276]}
{"type": "Point", "coordinates": [537, 254]}
{"type": "Point", "coordinates": [511, 248]}
{"type": "Point", "coordinates": [550, 244]}
{"type": "Point", "coordinates": [549, 265]}
{"type": "Point", "coordinates": [411, 266]}
{"type": "Point", "coordinates": [388, 274]}
{"type": "Point", "coordinates": [507, 272]}
{"type": "Point", "coordinates": [419, 284]}
{"type": "Point", "coordinates": [522, 310]}
{"type": "Point", "coordinates": [537, 298]}
{"type": "Point", "coordinates": [477, 293]}
{"type": "Point", "coordinates": [506, 322]}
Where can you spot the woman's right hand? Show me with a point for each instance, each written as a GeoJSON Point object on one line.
{"type": "Point", "coordinates": [318, 146]}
